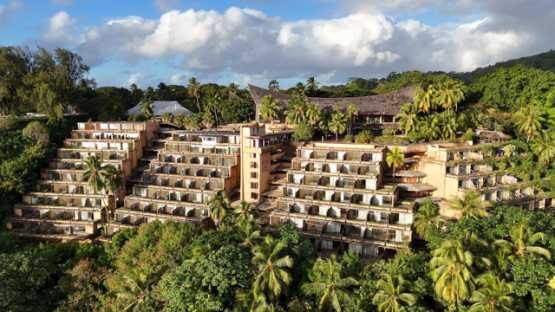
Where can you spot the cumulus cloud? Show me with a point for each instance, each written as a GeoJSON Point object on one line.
{"type": "Point", "coordinates": [141, 79]}
{"type": "Point", "coordinates": [60, 29]}
{"type": "Point", "coordinates": [248, 44]}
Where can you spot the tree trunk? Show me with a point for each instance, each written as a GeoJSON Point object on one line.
{"type": "Point", "coordinates": [216, 114]}
{"type": "Point", "coordinates": [337, 136]}
{"type": "Point", "coordinates": [198, 104]}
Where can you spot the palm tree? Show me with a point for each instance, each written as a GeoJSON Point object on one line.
{"type": "Point", "coordinates": [454, 264]}
{"type": "Point", "coordinates": [328, 285]}
{"type": "Point", "coordinates": [395, 159]}
{"type": "Point", "coordinates": [408, 118]}
{"type": "Point", "coordinates": [273, 85]}
{"type": "Point", "coordinates": [95, 173]}
{"type": "Point", "coordinates": [194, 90]}
{"type": "Point", "coordinates": [529, 121]}
{"type": "Point", "coordinates": [162, 91]}
{"type": "Point", "coordinates": [147, 109]}
{"type": "Point", "coordinates": [269, 108]}
{"type": "Point", "coordinates": [245, 211]}
{"type": "Point", "coordinates": [449, 94]}
{"type": "Point", "coordinates": [313, 113]}
{"type": "Point", "coordinates": [543, 145]}
{"type": "Point", "coordinates": [114, 180]}
{"type": "Point", "coordinates": [495, 294]}
{"type": "Point", "coordinates": [299, 89]}
{"type": "Point", "coordinates": [253, 301]}
{"type": "Point", "coordinates": [338, 124]}
{"type": "Point", "coordinates": [522, 240]}
{"type": "Point", "coordinates": [426, 217]}
{"type": "Point", "coordinates": [213, 100]}
{"type": "Point", "coordinates": [217, 206]}
{"type": "Point", "coordinates": [312, 85]}
{"type": "Point", "coordinates": [470, 206]}
{"type": "Point", "coordinates": [324, 124]}
{"type": "Point", "coordinates": [136, 288]}
{"type": "Point", "coordinates": [233, 88]}
{"type": "Point", "coordinates": [295, 110]}
{"type": "Point", "coordinates": [274, 278]}
{"type": "Point", "coordinates": [430, 128]}
{"type": "Point", "coordinates": [390, 296]}
{"type": "Point", "coordinates": [425, 99]}
{"type": "Point", "coordinates": [336, 107]}
{"type": "Point", "coordinates": [447, 123]}
{"type": "Point", "coordinates": [249, 232]}
{"type": "Point", "coordinates": [352, 111]}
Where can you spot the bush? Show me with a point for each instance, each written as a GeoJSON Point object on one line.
{"type": "Point", "coordinates": [390, 139]}
{"type": "Point", "coordinates": [167, 116]}
{"type": "Point", "coordinates": [303, 132]}
{"type": "Point", "coordinates": [208, 119]}
{"type": "Point", "coordinates": [349, 138]}
{"type": "Point", "coordinates": [365, 136]}
{"type": "Point", "coordinates": [7, 123]}
{"type": "Point", "coordinates": [468, 136]}
{"type": "Point", "coordinates": [37, 132]}
{"type": "Point", "coordinates": [389, 132]}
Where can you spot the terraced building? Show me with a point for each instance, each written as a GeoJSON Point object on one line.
{"type": "Point", "coordinates": [62, 208]}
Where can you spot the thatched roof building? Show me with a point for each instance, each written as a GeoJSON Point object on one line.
{"type": "Point", "coordinates": [382, 104]}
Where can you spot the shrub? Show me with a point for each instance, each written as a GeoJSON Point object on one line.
{"type": "Point", "coordinates": [37, 132]}
{"type": "Point", "coordinates": [7, 123]}
{"type": "Point", "coordinates": [469, 135]}
{"type": "Point", "coordinates": [349, 138]}
{"type": "Point", "coordinates": [390, 139]}
{"type": "Point", "coordinates": [365, 136]}
{"type": "Point", "coordinates": [208, 119]}
{"type": "Point", "coordinates": [388, 132]}
{"type": "Point", "coordinates": [167, 116]}
{"type": "Point", "coordinates": [303, 132]}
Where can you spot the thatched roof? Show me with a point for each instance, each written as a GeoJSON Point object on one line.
{"type": "Point", "coordinates": [382, 104]}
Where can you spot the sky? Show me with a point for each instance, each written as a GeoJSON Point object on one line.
{"type": "Point", "coordinates": [254, 41]}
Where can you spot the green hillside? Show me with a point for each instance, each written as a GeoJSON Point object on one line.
{"type": "Point", "coordinates": [543, 61]}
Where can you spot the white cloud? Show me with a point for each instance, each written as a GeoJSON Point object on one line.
{"type": "Point", "coordinates": [60, 29]}
{"type": "Point", "coordinates": [248, 45]}
{"type": "Point", "coordinates": [141, 79]}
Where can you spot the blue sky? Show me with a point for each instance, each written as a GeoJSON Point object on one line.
{"type": "Point", "coordinates": [254, 41]}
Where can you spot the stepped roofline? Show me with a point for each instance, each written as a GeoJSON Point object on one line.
{"type": "Point", "coordinates": [381, 104]}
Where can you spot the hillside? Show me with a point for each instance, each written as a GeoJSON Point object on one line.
{"type": "Point", "coordinates": [543, 61]}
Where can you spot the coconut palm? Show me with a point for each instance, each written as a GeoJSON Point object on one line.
{"type": "Point", "coordinates": [449, 93]}
{"type": "Point", "coordinates": [390, 296]}
{"type": "Point", "coordinates": [136, 289]}
{"type": "Point", "coordinates": [245, 211]}
{"type": "Point", "coordinates": [295, 110]}
{"type": "Point", "coordinates": [454, 264]}
{"type": "Point", "coordinates": [274, 277]}
{"type": "Point", "coordinates": [425, 99]}
{"type": "Point", "coordinates": [194, 90]}
{"type": "Point", "coordinates": [300, 89]}
{"type": "Point", "coordinates": [336, 107]}
{"type": "Point", "coordinates": [269, 108]}
{"type": "Point", "coordinates": [523, 240]}
{"type": "Point", "coordinates": [312, 85]}
{"type": "Point", "coordinates": [543, 146]}
{"type": "Point", "coordinates": [495, 294]}
{"type": "Point", "coordinates": [249, 232]}
{"type": "Point", "coordinates": [338, 124]}
{"type": "Point", "coordinates": [447, 123]}
{"type": "Point", "coordinates": [313, 113]}
{"type": "Point", "coordinates": [254, 301]}
{"type": "Point", "coordinates": [408, 118]}
{"type": "Point", "coordinates": [529, 121]}
{"type": "Point", "coordinates": [324, 124]}
{"type": "Point", "coordinates": [212, 103]}
{"type": "Point", "coordinates": [426, 217]}
{"type": "Point", "coordinates": [273, 85]}
{"type": "Point", "coordinates": [364, 136]}
{"type": "Point", "coordinates": [352, 111]}
{"type": "Point", "coordinates": [114, 180]}
{"type": "Point", "coordinates": [162, 92]}
{"type": "Point", "coordinates": [470, 206]}
{"type": "Point", "coordinates": [395, 159]}
{"type": "Point", "coordinates": [95, 173]}
{"type": "Point", "coordinates": [233, 88]}
{"type": "Point", "coordinates": [217, 206]}
{"type": "Point", "coordinates": [147, 109]}
{"type": "Point", "coordinates": [430, 127]}
{"type": "Point", "coordinates": [328, 285]}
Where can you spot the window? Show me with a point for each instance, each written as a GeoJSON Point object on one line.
{"type": "Point", "coordinates": [254, 165]}
{"type": "Point", "coordinates": [254, 175]}
{"type": "Point", "coordinates": [254, 195]}
{"type": "Point", "coordinates": [254, 185]}
{"type": "Point", "coordinates": [254, 155]}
